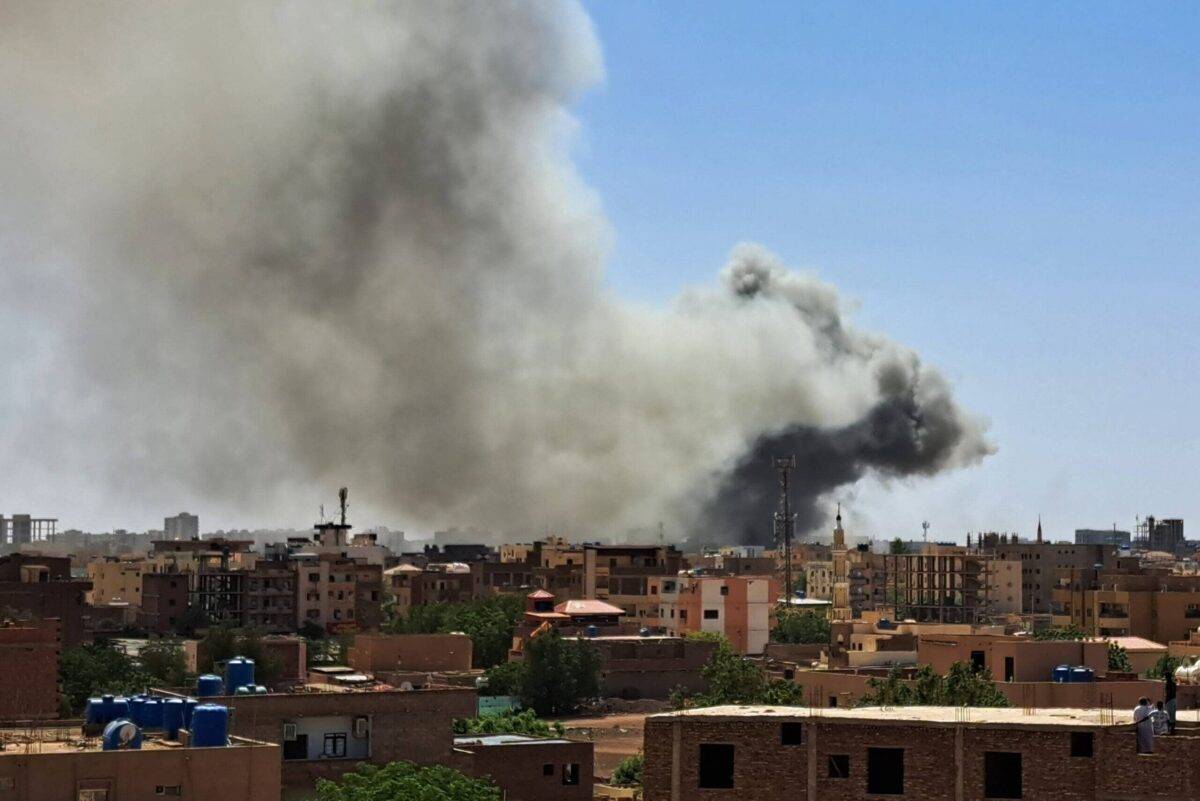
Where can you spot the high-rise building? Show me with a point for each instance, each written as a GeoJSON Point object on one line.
{"type": "Point", "coordinates": [1166, 535]}
{"type": "Point", "coordinates": [182, 526]}
{"type": "Point", "coordinates": [1103, 536]}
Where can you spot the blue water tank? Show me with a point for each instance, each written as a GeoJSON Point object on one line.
{"type": "Point", "coordinates": [173, 717]}
{"type": "Point", "coordinates": [135, 708]}
{"type": "Point", "coordinates": [210, 726]}
{"type": "Point", "coordinates": [592, 631]}
{"type": "Point", "coordinates": [209, 685]}
{"type": "Point", "coordinates": [100, 711]}
{"type": "Point", "coordinates": [1082, 675]}
{"type": "Point", "coordinates": [259, 689]}
{"type": "Point", "coordinates": [1062, 674]}
{"type": "Point", "coordinates": [152, 713]}
{"type": "Point", "coordinates": [93, 713]}
{"type": "Point", "coordinates": [188, 705]}
{"type": "Point", "coordinates": [239, 672]}
{"type": "Point", "coordinates": [121, 733]}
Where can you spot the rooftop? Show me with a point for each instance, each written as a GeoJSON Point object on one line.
{"type": "Point", "coordinates": [588, 608]}
{"type": "Point", "coordinates": [506, 739]}
{"type": "Point", "coordinates": [59, 739]}
{"type": "Point", "coordinates": [1002, 717]}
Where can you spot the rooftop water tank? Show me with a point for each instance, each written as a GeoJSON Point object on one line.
{"type": "Point", "coordinates": [243, 690]}
{"type": "Point", "coordinates": [1082, 675]}
{"type": "Point", "coordinates": [188, 705]}
{"type": "Point", "coordinates": [135, 708]}
{"type": "Point", "coordinates": [152, 713]}
{"type": "Point", "coordinates": [121, 733]}
{"type": "Point", "coordinates": [260, 689]}
{"type": "Point", "coordinates": [239, 672]}
{"type": "Point", "coordinates": [173, 717]}
{"type": "Point", "coordinates": [644, 632]}
{"type": "Point", "coordinates": [210, 726]}
{"type": "Point", "coordinates": [100, 711]}
{"type": "Point", "coordinates": [209, 685]}
{"type": "Point", "coordinates": [592, 631]}
{"type": "Point", "coordinates": [1062, 674]}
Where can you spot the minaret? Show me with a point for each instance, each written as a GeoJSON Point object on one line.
{"type": "Point", "coordinates": [839, 534]}
{"type": "Point", "coordinates": [1039, 539]}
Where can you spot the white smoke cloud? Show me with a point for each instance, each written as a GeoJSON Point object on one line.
{"type": "Point", "coordinates": [270, 247]}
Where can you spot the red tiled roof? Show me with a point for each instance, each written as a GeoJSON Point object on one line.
{"type": "Point", "coordinates": [539, 595]}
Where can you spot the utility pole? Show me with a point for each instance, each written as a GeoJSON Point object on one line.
{"type": "Point", "coordinates": [925, 531]}
{"type": "Point", "coordinates": [785, 521]}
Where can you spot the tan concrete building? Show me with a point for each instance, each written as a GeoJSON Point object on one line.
{"type": "Point", "coordinates": [115, 580]}
{"type": "Point", "coordinates": [1010, 658]}
{"type": "Point", "coordinates": [742, 608]}
{"type": "Point", "coordinates": [56, 763]}
{"type": "Point", "coordinates": [1153, 605]}
{"type": "Point", "coordinates": [620, 575]}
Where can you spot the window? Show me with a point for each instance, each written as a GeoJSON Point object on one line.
{"type": "Point", "coordinates": [716, 766]}
{"type": "Point", "coordinates": [978, 660]}
{"type": "Point", "coordinates": [683, 614]}
{"type": "Point", "coordinates": [839, 766]}
{"type": "Point", "coordinates": [570, 774]}
{"type": "Point", "coordinates": [833, 702]}
{"type": "Point", "coordinates": [335, 745]}
{"type": "Point", "coordinates": [712, 614]}
{"type": "Point", "coordinates": [724, 589]}
{"type": "Point", "coordinates": [296, 748]}
{"type": "Point", "coordinates": [168, 789]}
{"type": "Point", "coordinates": [791, 733]}
{"type": "Point", "coordinates": [1001, 774]}
{"type": "Point", "coordinates": [548, 769]}
{"type": "Point", "coordinates": [314, 576]}
{"type": "Point", "coordinates": [885, 771]}
{"type": "Point", "coordinates": [1081, 744]}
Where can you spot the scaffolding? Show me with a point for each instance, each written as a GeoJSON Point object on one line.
{"type": "Point", "coordinates": [939, 587]}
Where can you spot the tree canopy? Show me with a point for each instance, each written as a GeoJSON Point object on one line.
{"type": "Point", "coordinates": [404, 781]}
{"type": "Point", "coordinates": [526, 722]}
{"type": "Point", "coordinates": [1063, 633]}
{"type": "Point", "coordinates": [489, 623]}
{"type": "Point", "coordinates": [732, 679]}
{"type": "Point", "coordinates": [556, 676]}
{"type": "Point", "coordinates": [963, 685]}
{"type": "Point", "coordinates": [87, 671]}
{"type": "Point", "coordinates": [1118, 659]}
{"type": "Point", "coordinates": [800, 627]}
{"type": "Point", "coordinates": [628, 772]}
{"type": "Point", "coordinates": [222, 643]}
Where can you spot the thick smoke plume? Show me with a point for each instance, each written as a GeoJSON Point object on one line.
{"type": "Point", "coordinates": [268, 247]}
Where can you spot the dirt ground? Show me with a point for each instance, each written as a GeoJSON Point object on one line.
{"type": "Point", "coordinates": [615, 737]}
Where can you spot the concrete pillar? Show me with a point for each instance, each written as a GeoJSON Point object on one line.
{"type": "Point", "coordinates": [812, 760]}
{"type": "Point", "coordinates": [676, 758]}
{"type": "Point", "coordinates": [959, 792]}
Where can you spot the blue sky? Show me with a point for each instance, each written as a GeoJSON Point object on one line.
{"type": "Point", "coordinates": [1010, 189]}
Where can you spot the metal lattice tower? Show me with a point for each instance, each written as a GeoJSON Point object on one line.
{"type": "Point", "coordinates": [785, 520]}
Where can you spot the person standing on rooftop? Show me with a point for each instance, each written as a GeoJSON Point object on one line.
{"type": "Point", "coordinates": [1145, 726]}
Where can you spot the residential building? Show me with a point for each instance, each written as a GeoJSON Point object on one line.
{"type": "Point", "coordinates": [29, 652]}
{"type": "Point", "coordinates": [619, 574]}
{"type": "Point", "coordinates": [410, 586]}
{"type": "Point", "coordinates": [56, 763]}
{"type": "Point", "coordinates": [324, 731]}
{"type": "Point", "coordinates": [634, 666]}
{"type": "Point", "coordinates": [165, 598]}
{"type": "Point", "coordinates": [1010, 658]}
{"type": "Point", "coordinates": [1104, 536]}
{"type": "Point", "coordinates": [1041, 562]}
{"type": "Point", "coordinates": [927, 753]}
{"type": "Point", "coordinates": [182, 526]}
{"type": "Point", "coordinates": [944, 584]}
{"type": "Point", "coordinates": [1126, 600]}
{"type": "Point", "coordinates": [529, 768]}
{"type": "Point", "coordinates": [41, 587]}
{"type": "Point", "coordinates": [115, 579]}
{"type": "Point", "coordinates": [741, 608]}
{"type": "Point", "coordinates": [1164, 535]}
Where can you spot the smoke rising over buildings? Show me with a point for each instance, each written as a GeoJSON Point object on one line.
{"type": "Point", "coordinates": [274, 247]}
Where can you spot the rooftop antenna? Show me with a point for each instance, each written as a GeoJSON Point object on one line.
{"type": "Point", "coordinates": [925, 531]}
{"type": "Point", "coordinates": [343, 493]}
{"type": "Point", "coordinates": [785, 521]}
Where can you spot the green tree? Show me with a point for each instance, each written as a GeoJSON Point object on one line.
{"type": "Point", "coordinates": [488, 622]}
{"type": "Point", "coordinates": [732, 679]}
{"type": "Point", "coordinates": [222, 643]}
{"type": "Point", "coordinates": [803, 627]}
{"type": "Point", "coordinates": [629, 771]}
{"type": "Point", "coordinates": [896, 547]}
{"type": "Point", "coordinates": [559, 674]}
{"type": "Point", "coordinates": [87, 671]}
{"type": "Point", "coordinates": [1118, 659]}
{"type": "Point", "coordinates": [162, 659]}
{"type": "Point", "coordinates": [404, 781]}
{"type": "Point", "coordinates": [526, 722]}
{"type": "Point", "coordinates": [1064, 633]}
{"type": "Point", "coordinates": [1164, 666]}
{"type": "Point", "coordinates": [963, 685]}
{"type": "Point", "coordinates": [504, 679]}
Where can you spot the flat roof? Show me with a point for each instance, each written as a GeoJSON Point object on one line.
{"type": "Point", "coordinates": [996, 717]}
{"type": "Point", "coordinates": [69, 740]}
{"type": "Point", "coordinates": [507, 739]}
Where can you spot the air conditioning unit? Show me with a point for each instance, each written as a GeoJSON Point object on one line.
{"type": "Point", "coordinates": [289, 732]}
{"type": "Point", "coordinates": [361, 727]}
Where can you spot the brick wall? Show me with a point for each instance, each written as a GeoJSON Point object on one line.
{"type": "Point", "coordinates": [942, 762]}
{"type": "Point", "coordinates": [29, 656]}
{"type": "Point", "coordinates": [520, 770]}
{"type": "Point", "coordinates": [376, 652]}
